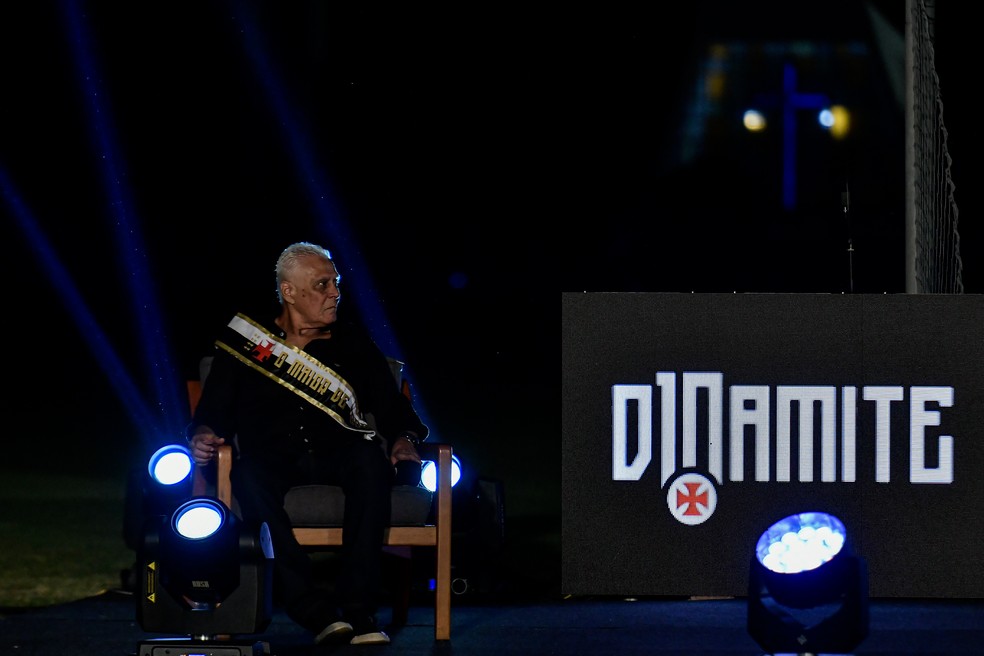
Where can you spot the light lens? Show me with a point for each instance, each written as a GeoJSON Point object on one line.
{"type": "Point", "coordinates": [428, 473]}
{"type": "Point", "coordinates": [199, 519]}
{"type": "Point", "coordinates": [801, 542]}
{"type": "Point", "coordinates": [171, 464]}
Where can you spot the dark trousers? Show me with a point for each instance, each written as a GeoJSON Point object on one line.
{"type": "Point", "coordinates": [364, 473]}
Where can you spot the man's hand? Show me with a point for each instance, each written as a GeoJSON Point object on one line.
{"type": "Point", "coordinates": [403, 449]}
{"type": "Point", "coordinates": [205, 445]}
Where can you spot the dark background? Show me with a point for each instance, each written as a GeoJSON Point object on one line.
{"type": "Point", "coordinates": [465, 164]}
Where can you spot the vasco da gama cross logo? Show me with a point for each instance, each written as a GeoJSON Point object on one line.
{"type": "Point", "coordinates": [691, 498]}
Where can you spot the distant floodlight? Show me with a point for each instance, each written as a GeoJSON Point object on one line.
{"type": "Point", "coordinates": [807, 593]}
{"type": "Point", "coordinates": [841, 125]}
{"type": "Point", "coordinates": [428, 473]}
{"type": "Point", "coordinates": [753, 120]}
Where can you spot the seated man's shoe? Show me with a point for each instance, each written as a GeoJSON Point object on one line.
{"type": "Point", "coordinates": [337, 631]}
{"type": "Point", "coordinates": [366, 632]}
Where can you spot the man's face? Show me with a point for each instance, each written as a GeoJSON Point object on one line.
{"type": "Point", "coordinates": [314, 290]}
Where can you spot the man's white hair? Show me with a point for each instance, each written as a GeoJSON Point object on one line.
{"type": "Point", "coordinates": [289, 257]}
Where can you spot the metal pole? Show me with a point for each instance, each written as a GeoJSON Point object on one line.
{"type": "Point", "coordinates": [910, 159]}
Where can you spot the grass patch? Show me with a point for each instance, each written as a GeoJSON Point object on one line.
{"type": "Point", "coordinates": [61, 538]}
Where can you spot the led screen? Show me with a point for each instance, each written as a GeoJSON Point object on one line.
{"type": "Point", "coordinates": [692, 422]}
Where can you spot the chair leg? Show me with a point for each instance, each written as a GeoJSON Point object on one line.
{"type": "Point", "coordinates": [442, 556]}
{"type": "Point", "coordinates": [442, 591]}
{"type": "Point", "coordinates": [402, 583]}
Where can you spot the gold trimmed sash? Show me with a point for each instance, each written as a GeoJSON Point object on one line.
{"type": "Point", "coordinates": [294, 369]}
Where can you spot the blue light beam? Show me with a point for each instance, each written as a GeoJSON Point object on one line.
{"type": "Point", "coordinates": [129, 243]}
{"type": "Point", "coordinates": [333, 227]}
{"type": "Point", "coordinates": [92, 334]}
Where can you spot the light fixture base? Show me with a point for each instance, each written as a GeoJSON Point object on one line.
{"type": "Point", "coordinates": [183, 646]}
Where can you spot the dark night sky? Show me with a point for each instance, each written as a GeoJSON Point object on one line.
{"type": "Point", "coordinates": [523, 149]}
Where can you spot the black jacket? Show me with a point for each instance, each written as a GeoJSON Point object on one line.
{"type": "Point", "coordinates": [267, 419]}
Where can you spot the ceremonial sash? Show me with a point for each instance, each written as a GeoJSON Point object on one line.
{"type": "Point", "coordinates": [294, 369]}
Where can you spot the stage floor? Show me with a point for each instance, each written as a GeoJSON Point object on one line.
{"type": "Point", "coordinates": [106, 625]}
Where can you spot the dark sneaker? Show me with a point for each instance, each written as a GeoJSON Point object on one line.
{"type": "Point", "coordinates": [334, 632]}
{"type": "Point", "coordinates": [366, 632]}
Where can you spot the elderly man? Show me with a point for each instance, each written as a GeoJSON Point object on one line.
{"type": "Point", "coordinates": [294, 390]}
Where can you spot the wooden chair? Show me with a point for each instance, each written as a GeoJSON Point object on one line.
{"type": "Point", "coordinates": [319, 509]}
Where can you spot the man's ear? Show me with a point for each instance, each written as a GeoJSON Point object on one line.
{"type": "Point", "coordinates": [287, 292]}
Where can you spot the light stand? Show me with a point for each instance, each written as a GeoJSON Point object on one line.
{"type": "Point", "coordinates": [193, 647]}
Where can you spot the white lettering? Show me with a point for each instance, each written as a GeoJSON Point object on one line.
{"type": "Point", "coordinates": [666, 381]}
{"type": "Point", "coordinates": [849, 400]}
{"type": "Point", "coordinates": [805, 396]}
{"type": "Point", "coordinates": [622, 470]}
{"type": "Point", "coordinates": [713, 383]}
{"type": "Point", "coordinates": [749, 407]}
{"type": "Point", "coordinates": [750, 414]}
{"type": "Point", "coordinates": [919, 419]}
{"type": "Point", "coordinates": [883, 397]}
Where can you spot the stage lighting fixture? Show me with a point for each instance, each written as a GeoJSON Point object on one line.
{"type": "Point", "coordinates": [428, 473]}
{"type": "Point", "coordinates": [807, 592]}
{"type": "Point", "coordinates": [204, 575]}
{"type": "Point", "coordinates": [170, 478]}
{"type": "Point", "coordinates": [170, 464]}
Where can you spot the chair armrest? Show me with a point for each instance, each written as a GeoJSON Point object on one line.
{"type": "Point", "coordinates": [223, 469]}
{"type": "Point", "coordinates": [431, 450]}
